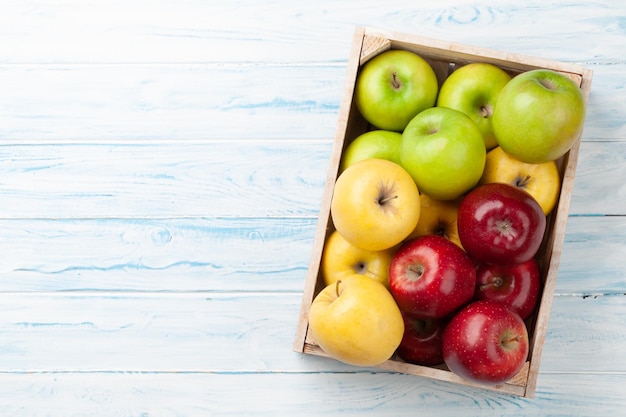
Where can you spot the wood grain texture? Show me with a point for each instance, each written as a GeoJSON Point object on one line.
{"type": "Point", "coordinates": [205, 254]}
{"type": "Point", "coordinates": [161, 169]}
{"type": "Point", "coordinates": [113, 394]}
{"type": "Point", "coordinates": [240, 332]}
{"type": "Point", "coordinates": [279, 31]}
{"type": "Point", "coordinates": [190, 179]}
{"type": "Point", "coordinates": [215, 179]}
{"type": "Point", "coordinates": [168, 102]}
{"type": "Point", "coordinates": [174, 255]}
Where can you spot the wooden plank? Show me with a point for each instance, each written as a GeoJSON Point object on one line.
{"type": "Point", "coordinates": [230, 254]}
{"type": "Point", "coordinates": [210, 254]}
{"type": "Point", "coordinates": [125, 332]}
{"type": "Point", "coordinates": [594, 189]}
{"type": "Point", "coordinates": [155, 102]}
{"type": "Point", "coordinates": [261, 178]}
{"type": "Point", "coordinates": [114, 394]}
{"type": "Point", "coordinates": [201, 31]}
{"type": "Point", "coordinates": [593, 256]}
{"type": "Point", "coordinates": [224, 332]}
{"type": "Point", "coordinates": [168, 102]}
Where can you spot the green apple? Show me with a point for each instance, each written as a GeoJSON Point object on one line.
{"type": "Point", "coordinates": [539, 116]}
{"type": "Point", "coordinates": [473, 89]}
{"type": "Point", "coordinates": [381, 144]}
{"type": "Point", "coordinates": [393, 87]}
{"type": "Point", "coordinates": [375, 204]}
{"type": "Point", "coordinates": [357, 321]}
{"type": "Point", "coordinates": [444, 152]}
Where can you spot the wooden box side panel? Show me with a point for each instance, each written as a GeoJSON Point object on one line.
{"type": "Point", "coordinates": [554, 249]}
{"type": "Point", "coordinates": [345, 125]}
{"type": "Point", "coordinates": [461, 53]}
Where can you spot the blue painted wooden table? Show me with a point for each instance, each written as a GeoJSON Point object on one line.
{"type": "Point", "coordinates": [161, 170]}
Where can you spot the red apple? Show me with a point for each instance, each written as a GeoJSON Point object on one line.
{"type": "Point", "coordinates": [421, 343]}
{"type": "Point", "coordinates": [431, 277]}
{"type": "Point", "coordinates": [517, 285]}
{"type": "Point", "coordinates": [485, 342]}
{"type": "Point", "coordinates": [500, 224]}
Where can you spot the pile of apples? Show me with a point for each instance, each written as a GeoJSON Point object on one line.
{"type": "Point", "coordinates": [439, 212]}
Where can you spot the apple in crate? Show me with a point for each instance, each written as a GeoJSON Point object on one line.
{"type": "Point", "coordinates": [539, 116]}
{"type": "Point", "coordinates": [340, 259]}
{"type": "Point", "coordinates": [474, 89]}
{"type": "Point", "coordinates": [438, 217]}
{"type": "Point", "coordinates": [381, 144]}
{"type": "Point", "coordinates": [500, 224]}
{"type": "Point", "coordinates": [356, 321]}
{"type": "Point", "coordinates": [444, 152]}
{"type": "Point", "coordinates": [431, 277]}
{"type": "Point", "coordinates": [485, 342]}
{"type": "Point", "coordinates": [421, 343]}
{"type": "Point", "coordinates": [517, 286]}
{"type": "Point", "coordinates": [393, 87]}
{"type": "Point", "coordinates": [542, 181]}
{"type": "Point", "coordinates": [375, 204]}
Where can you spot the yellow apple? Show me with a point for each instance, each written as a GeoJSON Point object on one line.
{"type": "Point", "coordinates": [375, 204]}
{"type": "Point", "coordinates": [542, 181]}
{"type": "Point", "coordinates": [341, 258]}
{"type": "Point", "coordinates": [356, 321]}
{"type": "Point", "coordinates": [438, 217]}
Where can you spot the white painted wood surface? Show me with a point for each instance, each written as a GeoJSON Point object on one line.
{"type": "Point", "coordinates": [161, 168]}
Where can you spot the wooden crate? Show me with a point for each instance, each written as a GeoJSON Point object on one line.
{"type": "Point", "coordinates": [443, 57]}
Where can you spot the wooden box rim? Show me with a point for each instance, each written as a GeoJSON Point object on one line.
{"type": "Point", "coordinates": [369, 42]}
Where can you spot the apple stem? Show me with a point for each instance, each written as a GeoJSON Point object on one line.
{"type": "Point", "coordinates": [395, 82]}
{"type": "Point", "coordinates": [511, 340]}
{"type": "Point", "coordinates": [386, 199]}
{"type": "Point", "coordinates": [418, 271]}
{"type": "Point", "coordinates": [549, 84]}
{"type": "Point", "coordinates": [495, 282]}
{"type": "Point", "coordinates": [337, 287]}
{"type": "Point", "coordinates": [522, 182]}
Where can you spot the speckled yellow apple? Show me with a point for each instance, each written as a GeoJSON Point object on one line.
{"type": "Point", "coordinates": [341, 259]}
{"type": "Point", "coordinates": [356, 321]}
{"type": "Point", "coordinates": [542, 181]}
{"type": "Point", "coordinates": [375, 204]}
{"type": "Point", "coordinates": [438, 217]}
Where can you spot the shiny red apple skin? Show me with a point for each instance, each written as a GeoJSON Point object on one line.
{"type": "Point", "coordinates": [517, 286]}
{"type": "Point", "coordinates": [431, 277]}
{"type": "Point", "coordinates": [421, 343]}
{"type": "Point", "coordinates": [500, 224]}
{"type": "Point", "coordinates": [485, 342]}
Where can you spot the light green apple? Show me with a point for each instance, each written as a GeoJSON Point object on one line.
{"type": "Point", "coordinates": [539, 116]}
{"type": "Point", "coordinates": [381, 144]}
{"type": "Point", "coordinates": [473, 89]}
{"type": "Point", "coordinates": [393, 87]}
{"type": "Point", "coordinates": [444, 152]}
